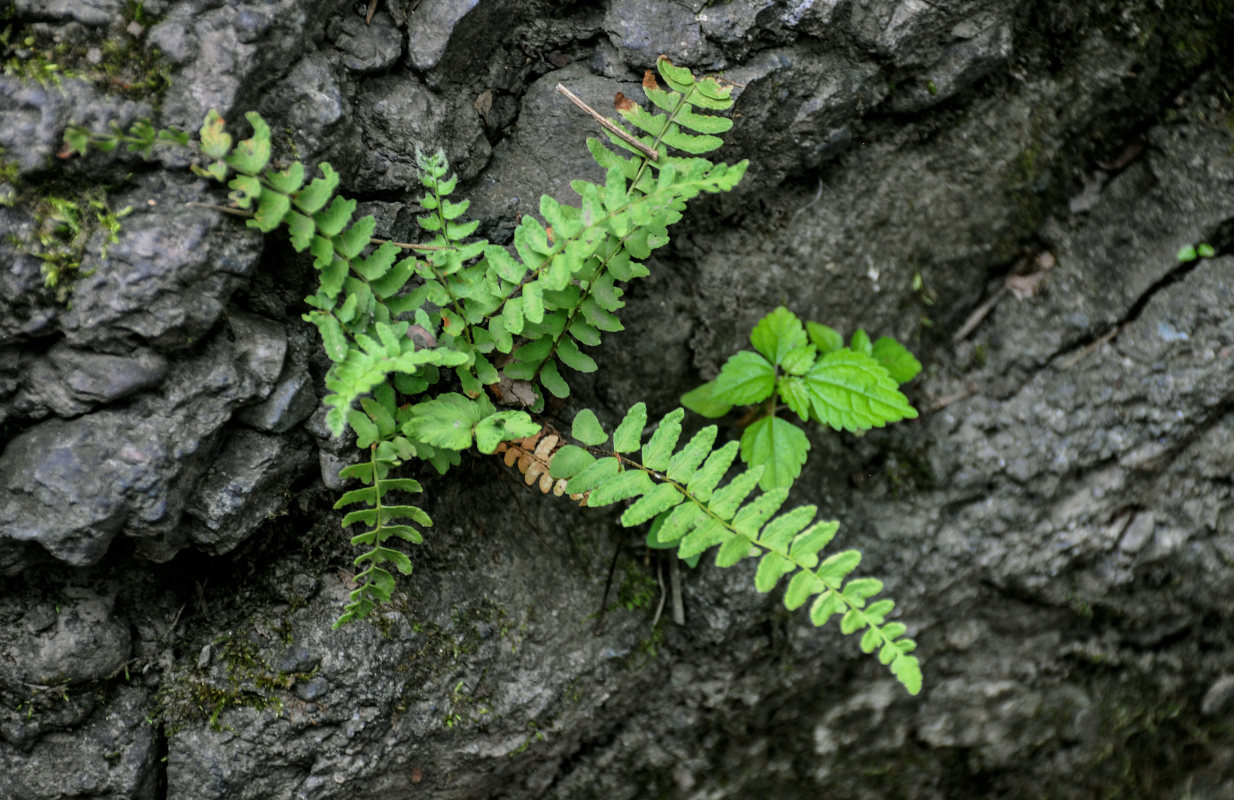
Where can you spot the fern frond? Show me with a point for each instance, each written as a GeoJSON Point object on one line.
{"type": "Point", "coordinates": [678, 488]}
{"type": "Point", "coordinates": [383, 521]}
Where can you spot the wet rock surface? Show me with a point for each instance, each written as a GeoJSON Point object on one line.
{"type": "Point", "coordinates": [1003, 185]}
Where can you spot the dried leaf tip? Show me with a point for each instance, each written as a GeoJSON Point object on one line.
{"type": "Point", "coordinates": [623, 103]}
{"type": "Point", "coordinates": [649, 80]}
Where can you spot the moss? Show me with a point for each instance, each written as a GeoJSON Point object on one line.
{"type": "Point", "coordinates": [115, 60]}
{"type": "Point", "coordinates": [241, 678]}
{"type": "Point", "coordinates": [69, 222]}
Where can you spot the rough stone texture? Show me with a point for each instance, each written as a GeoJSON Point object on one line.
{"type": "Point", "coordinates": [1057, 527]}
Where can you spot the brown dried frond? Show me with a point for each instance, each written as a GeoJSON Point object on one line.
{"type": "Point", "coordinates": [532, 456]}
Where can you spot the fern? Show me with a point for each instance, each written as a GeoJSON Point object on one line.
{"type": "Point", "coordinates": [405, 325]}
{"type": "Point", "coordinates": [680, 490]}
{"type": "Point", "coordinates": [384, 521]}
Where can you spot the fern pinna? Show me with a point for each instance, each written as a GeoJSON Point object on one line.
{"type": "Point", "coordinates": [418, 333]}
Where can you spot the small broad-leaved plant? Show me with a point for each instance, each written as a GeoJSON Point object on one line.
{"type": "Point", "coordinates": [809, 370]}
{"type": "Point", "coordinates": [421, 336]}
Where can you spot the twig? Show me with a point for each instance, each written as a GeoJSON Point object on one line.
{"type": "Point", "coordinates": [609, 125]}
{"type": "Point", "coordinates": [239, 212]}
{"type": "Point", "coordinates": [608, 584]}
{"type": "Point", "coordinates": [674, 582]}
{"type": "Point", "coordinates": [663, 593]}
{"type": "Point", "coordinates": [955, 397]}
{"type": "Point", "coordinates": [1071, 360]}
{"type": "Point", "coordinates": [982, 311]}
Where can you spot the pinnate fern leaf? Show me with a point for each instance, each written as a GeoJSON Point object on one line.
{"type": "Point", "coordinates": [679, 490]}
{"type": "Point", "coordinates": [382, 522]}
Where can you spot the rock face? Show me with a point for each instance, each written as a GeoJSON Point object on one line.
{"type": "Point", "coordinates": [1002, 184]}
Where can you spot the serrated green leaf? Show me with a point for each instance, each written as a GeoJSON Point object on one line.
{"type": "Point", "coordinates": [851, 391]}
{"type": "Point", "coordinates": [570, 461]}
{"type": "Point", "coordinates": [805, 546]}
{"type": "Point", "coordinates": [356, 238]}
{"type": "Point", "coordinates": [771, 568]}
{"type": "Point", "coordinates": [682, 465]}
{"type": "Point", "coordinates": [780, 531]}
{"type": "Point", "coordinates": [825, 606]}
{"type": "Point", "coordinates": [626, 484]}
{"type": "Point", "coordinates": [726, 500]}
{"type": "Point", "coordinates": [287, 181]}
{"type": "Point", "coordinates": [734, 550]}
{"type": "Point", "coordinates": [802, 587]}
{"type": "Point", "coordinates": [271, 210]}
{"type": "Point", "coordinates": [706, 535]}
{"type": "Point", "coordinates": [778, 334]}
{"type": "Point", "coordinates": [712, 471]}
{"type": "Point", "coordinates": [745, 378]}
{"type": "Point", "coordinates": [779, 447]}
{"type": "Point", "coordinates": [702, 402]}
{"type": "Point", "coordinates": [825, 338]}
{"type": "Point", "coordinates": [900, 363]}
{"type": "Point", "coordinates": [215, 142]}
{"type": "Point", "coordinates": [659, 449]}
{"type": "Point", "coordinates": [366, 430]}
{"type": "Point", "coordinates": [680, 521]}
{"type": "Point", "coordinates": [244, 190]}
{"type": "Point", "coordinates": [333, 340]}
{"type": "Point", "coordinates": [587, 429]}
{"type": "Point", "coordinates": [332, 220]}
{"type": "Point", "coordinates": [799, 360]}
{"type": "Point", "coordinates": [629, 434]}
{"type": "Point", "coordinates": [860, 342]}
{"type": "Point", "coordinates": [663, 497]}
{"type": "Point", "coordinates": [603, 470]}
{"type": "Point", "coordinates": [752, 515]}
{"type": "Point", "coordinates": [857, 591]}
{"type": "Point", "coordinates": [313, 197]}
{"type": "Point", "coordinates": [446, 421]}
{"type": "Point", "coordinates": [300, 231]}
{"type": "Point", "coordinates": [251, 155]}
{"type": "Point", "coordinates": [838, 565]}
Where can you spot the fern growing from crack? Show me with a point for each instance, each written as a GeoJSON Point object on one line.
{"type": "Point", "coordinates": [512, 322]}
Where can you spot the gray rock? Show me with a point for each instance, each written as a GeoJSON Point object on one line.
{"type": "Point", "coordinates": [397, 115]}
{"type": "Point", "coordinates": [71, 486]}
{"type": "Point", "coordinates": [642, 30]}
{"type": "Point", "coordinates": [551, 129]}
{"type": "Point", "coordinates": [320, 116]}
{"type": "Point", "coordinates": [290, 402]}
{"type": "Point", "coordinates": [368, 47]}
{"type": "Point", "coordinates": [70, 382]}
{"type": "Point", "coordinates": [84, 643]}
{"type": "Point", "coordinates": [962, 65]}
{"type": "Point", "coordinates": [87, 12]}
{"type": "Point", "coordinates": [1056, 526]}
{"type": "Point", "coordinates": [243, 488]}
{"type": "Point", "coordinates": [167, 280]}
{"type": "Point", "coordinates": [115, 754]}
